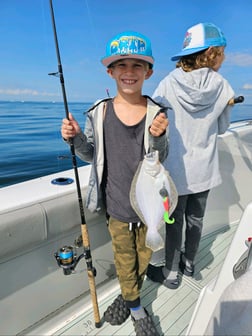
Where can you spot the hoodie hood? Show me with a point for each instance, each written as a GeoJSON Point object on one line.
{"type": "Point", "coordinates": [197, 90]}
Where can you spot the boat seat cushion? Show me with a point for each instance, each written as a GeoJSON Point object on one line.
{"type": "Point", "coordinates": [21, 229]}
{"type": "Point", "coordinates": [24, 227]}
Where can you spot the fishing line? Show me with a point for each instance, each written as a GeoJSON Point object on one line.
{"type": "Point", "coordinates": [92, 25]}
{"type": "Point", "coordinates": [85, 238]}
{"type": "Point", "coordinates": [96, 36]}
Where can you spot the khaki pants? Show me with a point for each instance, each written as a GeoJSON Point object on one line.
{"type": "Point", "coordinates": [131, 256]}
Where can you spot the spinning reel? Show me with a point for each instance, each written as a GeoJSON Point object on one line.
{"type": "Point", "coordinates": [67, 258]}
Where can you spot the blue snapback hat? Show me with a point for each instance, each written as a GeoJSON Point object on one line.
{"type": "Point", "coordinates": [128, 44]}
{"type": "Point", "coordinates": [200, 37]}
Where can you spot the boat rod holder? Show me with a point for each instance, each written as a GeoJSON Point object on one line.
{"type": "Point", "coordinates": [67, 258]}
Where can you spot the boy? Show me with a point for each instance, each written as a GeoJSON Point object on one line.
{"type": "Point", "coordinates": [118, 132]}
{"type": "Point", "coordinates": [199, 98]}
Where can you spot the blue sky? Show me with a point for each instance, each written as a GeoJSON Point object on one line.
{"type": "Point", "coordinates": [27, 52]}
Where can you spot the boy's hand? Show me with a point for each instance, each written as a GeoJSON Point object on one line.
{"type": "Point", "coordinates": [69, 128]}
{"type": "Point", "coordinates": [159, 125]}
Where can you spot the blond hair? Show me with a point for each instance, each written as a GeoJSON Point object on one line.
{"type": "Point", "coordinates": [202, 59]}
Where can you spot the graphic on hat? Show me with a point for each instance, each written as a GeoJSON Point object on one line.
{"type": "Point", "coordinates": [128, 44]}
{"type": "Point", "coordinates": [187, 40]}
{"type": "Point", "coordinates": [200, 37]}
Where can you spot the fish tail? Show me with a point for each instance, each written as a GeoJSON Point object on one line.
{"type": "Point", "coordinates": [154, 241]}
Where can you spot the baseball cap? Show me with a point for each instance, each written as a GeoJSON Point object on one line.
{"type": "Point", "coordinates": [200, 37]}
{"type": "Point", "coordinates": [128, 44]}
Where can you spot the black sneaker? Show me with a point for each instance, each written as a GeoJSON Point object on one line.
{"type": "Point", "coordinates": [186, 268]}
{"type": "Point", "coordinates": [155, 274]}
{"type": "Point", "coordinates": [145, 326]}
{"type": "Point", "coordinates": [117, 312]}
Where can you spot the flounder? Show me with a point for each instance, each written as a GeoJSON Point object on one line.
{"type": "Point", "coordinates": [153, 196]}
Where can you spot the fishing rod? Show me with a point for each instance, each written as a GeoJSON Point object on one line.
{"type": "Point", "coordinates": [66, 258]}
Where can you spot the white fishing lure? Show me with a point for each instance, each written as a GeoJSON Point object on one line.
{"type": "Point", "coordinates": [153, 196]}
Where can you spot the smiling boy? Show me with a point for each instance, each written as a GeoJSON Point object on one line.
{"type": "Point", "coordinates": [118, 133]}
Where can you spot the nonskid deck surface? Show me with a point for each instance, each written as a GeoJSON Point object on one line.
{"type": "Point", "coordinates": [171, 310]}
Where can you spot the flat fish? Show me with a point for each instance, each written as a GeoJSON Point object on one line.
{"type": "Point", "coordinates": [153, 196]}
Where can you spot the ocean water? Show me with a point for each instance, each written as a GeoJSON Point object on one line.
{"type": "Point", "coordinates": [30, 141]}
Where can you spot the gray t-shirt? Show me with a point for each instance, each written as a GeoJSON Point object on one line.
{"type": "Point", "coordinates": [124, 149]}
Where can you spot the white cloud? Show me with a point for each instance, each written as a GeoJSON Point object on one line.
{"type": "Point", "coordinates": [240, 59]}
{"type": "Point", "coordinates": [17, 92]}
{"type": "Point", "coordinates": [247, 87]}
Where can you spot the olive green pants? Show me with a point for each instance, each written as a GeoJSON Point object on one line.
{"type": "Point", "coordinates": [131, 256]}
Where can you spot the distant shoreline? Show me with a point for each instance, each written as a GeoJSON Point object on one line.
{"type": "Point", "coordinates": [44, 101]}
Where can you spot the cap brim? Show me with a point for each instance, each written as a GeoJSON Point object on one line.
{"type": "Point", "coordinates": [109, 60]}
{"type": "Point", "coordinates": [188, 52]}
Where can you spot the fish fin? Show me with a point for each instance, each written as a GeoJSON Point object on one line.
{"type": "Point", "coordinates": [132, 195]}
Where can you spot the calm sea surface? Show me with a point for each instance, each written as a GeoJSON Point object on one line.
{"type": "Point", "coordinates": [30, 139]}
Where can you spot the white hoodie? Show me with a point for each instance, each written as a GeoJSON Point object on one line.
{"type": "Point", "coordinates": [199, 112]}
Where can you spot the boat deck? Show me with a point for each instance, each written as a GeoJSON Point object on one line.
{"type": "Point", "coordinates": [171, 309]}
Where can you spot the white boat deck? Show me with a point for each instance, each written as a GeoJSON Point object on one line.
{"type": "Point", "coordinates": [171, 309]}
{"type": "Point", "coordinates": [37, 299]}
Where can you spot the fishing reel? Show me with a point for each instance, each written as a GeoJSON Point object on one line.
{"type": "Point", "coordinates": [67, 258]}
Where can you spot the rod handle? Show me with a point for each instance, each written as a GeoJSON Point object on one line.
{"type": "Point", "coordinates": [91, 276]}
